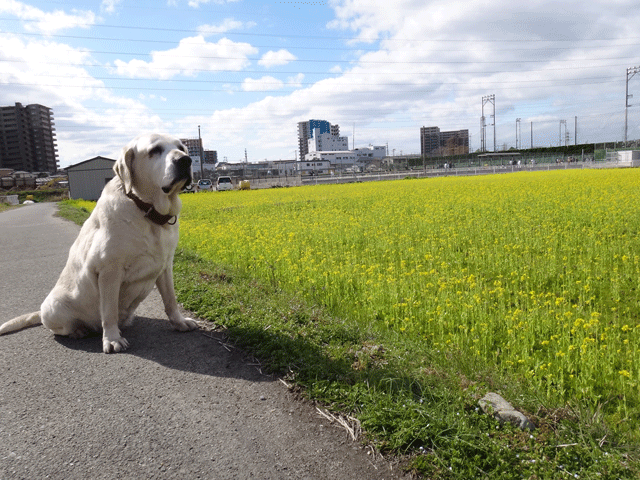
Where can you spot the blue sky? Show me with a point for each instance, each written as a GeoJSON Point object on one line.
{"type": "Point", "coordinates": [248, 71]}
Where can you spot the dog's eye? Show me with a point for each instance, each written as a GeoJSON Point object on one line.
{"type": "Point", "coordinates": [157, 150]}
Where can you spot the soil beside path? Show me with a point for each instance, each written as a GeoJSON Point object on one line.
{"type": "Point", "coordinates": [175, 405]}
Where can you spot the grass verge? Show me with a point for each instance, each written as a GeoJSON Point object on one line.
{"type": "Point", "coordinates": [421, 409]}
{"type": "Point", "coordinates": [73, 211]}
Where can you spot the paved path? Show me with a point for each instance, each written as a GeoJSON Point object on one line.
{"type": "Point", "coordinates": [175, 405]}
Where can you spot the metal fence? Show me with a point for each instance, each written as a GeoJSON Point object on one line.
{"type": "Point", "coordinates": [457, 171]}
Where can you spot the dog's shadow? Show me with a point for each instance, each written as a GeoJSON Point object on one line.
{"type": "Point", "coordinates": [198, 351]}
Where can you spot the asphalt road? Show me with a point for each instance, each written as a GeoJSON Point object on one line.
{"type": "Point", "coordinates": [175, 405]}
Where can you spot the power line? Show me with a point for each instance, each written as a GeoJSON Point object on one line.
{"type": "Point", "coordinates": [527, 47]}
{"type": "Point", "coordinates": [358, 61]}
{"type": "Point", "coordinates": [332, 88]}
{"type": "Point", "coordinates": [573, 82]}
{"type": "Point", "coordinates": [364, 73]}
{"type": "Point", "coordinates": [326, 37]}
{"type": "Point", "coordinates": [363, 62]}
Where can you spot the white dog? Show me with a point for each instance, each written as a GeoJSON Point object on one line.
{"type": "Point", "coordinates": [123, 249]}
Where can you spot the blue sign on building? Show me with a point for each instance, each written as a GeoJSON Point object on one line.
{"type": "Point", "coordinates": [323, 125]}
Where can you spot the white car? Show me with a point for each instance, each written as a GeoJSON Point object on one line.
{"type": "Point", "coordinates": [223, 184]}
{"type": "Point", "coordinates": [205, 184]}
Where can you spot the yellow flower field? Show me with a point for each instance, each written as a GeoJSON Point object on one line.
{"type": "Point", "coordinates": [535, 272]}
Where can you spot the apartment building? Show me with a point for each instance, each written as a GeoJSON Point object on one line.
{"type": "Point", "coordinates": [306, 132]}
{"type": "Point", "coordinates": [435, 142]}
{"type": "Point", "coordinates": [195, 149]}
{"type": "Point", "coordinates": [326, 142]}
{"type": "Point", "coordinates": [27, 138]}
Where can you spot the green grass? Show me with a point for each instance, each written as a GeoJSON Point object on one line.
{"type": "Point", "coordinates": [431, 419]}
{"type": "Point", "coordinates": [75, 210]}
{"type": "Point", "coordinates": [417, 402]}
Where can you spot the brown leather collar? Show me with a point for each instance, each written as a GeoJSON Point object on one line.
{"type": "Point", "coordinates": [150, 212]}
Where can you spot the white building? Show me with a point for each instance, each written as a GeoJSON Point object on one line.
{"type": "Point", "coordinates": [338, 160]}
{"type": "Point", "coordinates": [314, 167]}
{"type": "Point", "coordinates": [352, 160]}
{"type": "Point", "coordinates": [629, 158]}
{"type": "Point", "coordinates": [370, 153]}
{"type": "Point", "coordinates": [326, 142]}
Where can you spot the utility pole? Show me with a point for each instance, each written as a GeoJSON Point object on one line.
{"type": "Point", "coordinates": [489, 99]}
{"type": "Point", "coordinates": [562, 122]}
{"type": "Point", "coordinates": [201, 154]}
{"type": "Point", "coordinates": [630, 73]}
{"type": "Point", "coordinates": [517, 128]}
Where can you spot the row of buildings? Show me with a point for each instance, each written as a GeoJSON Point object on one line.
{"type": "Point", "coordinates": [323, 150]}
{"type": "Point", "coordinates": [28, 143]}
{"type": "Point", "coordinates": [197, 152]}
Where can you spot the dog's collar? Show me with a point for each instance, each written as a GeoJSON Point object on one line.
{"type": "Point", "coordinates": [150, 212]}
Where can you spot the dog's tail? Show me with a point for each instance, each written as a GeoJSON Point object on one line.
{"type": "Point", "coordinates": [18, 323]}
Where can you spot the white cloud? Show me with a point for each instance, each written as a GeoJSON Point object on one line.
{"type": "Point", "coordinates": [263, 84]}
{"type": "Point", "coordinates": [192, 56]}
{"type": "Point", "coordinates": [47, 22]}
{"type": "Point", "coordinates": [53, 74]}
{"type": "Point", "coordinates": [273, 59]}
{"type": "Point", "coordinates": [434, 62]}
{"type": "Point", "coordinates": [227, 24]}
{"type": "Point", "coordinates": [109, 6]}
{"type": "Point", "coordinates": [295, 81]}
{"type": "Point", "coordinates": [197, 3]}
{"type": "Point", "coordinates": [427, 63]}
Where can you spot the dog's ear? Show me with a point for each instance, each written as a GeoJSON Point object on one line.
{"type": "Point", "coordinates": [124, 168]}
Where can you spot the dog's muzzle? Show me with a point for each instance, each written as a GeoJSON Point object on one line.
{"type": "Point", "coordinates": [182, 170]}
{"type": "Point", "coordinates": [183, 165]}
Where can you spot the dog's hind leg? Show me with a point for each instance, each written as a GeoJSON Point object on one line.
{"type": "Point", "coordinates": [60, 319]}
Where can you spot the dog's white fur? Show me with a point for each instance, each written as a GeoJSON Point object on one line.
{"type": "Point", "coordinates": [120, 254]}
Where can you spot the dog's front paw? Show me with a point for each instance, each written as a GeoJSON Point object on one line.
{"type": "Point", "coordinates": [114, 345]}
{"type": "Point", "coordinates": [184, 324]}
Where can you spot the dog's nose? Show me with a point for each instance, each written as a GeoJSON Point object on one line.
{"type": "Point", "coordinates": [184, 162]}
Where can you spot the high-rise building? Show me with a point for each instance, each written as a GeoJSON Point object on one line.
{"type": "Point", "coordinates": [194, 146]}
{"type": "Point", "coordinates": [429, 140]}
{"type": "Point", "coordinates": [211, 157]}
{"type": "Point", "coordinates": [455, 142]}
{"type": "Point", "coordinates": [435, 142]}
{"type": "Point", "coordinates": [326, 142]}
{"type": "Point", "coordinates": [306, 132]}
{"type": "Point", "coordinates": [27, 138]}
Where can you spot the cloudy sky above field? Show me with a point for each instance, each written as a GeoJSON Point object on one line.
{"type": "Point", "coordinates": [247, 71]}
